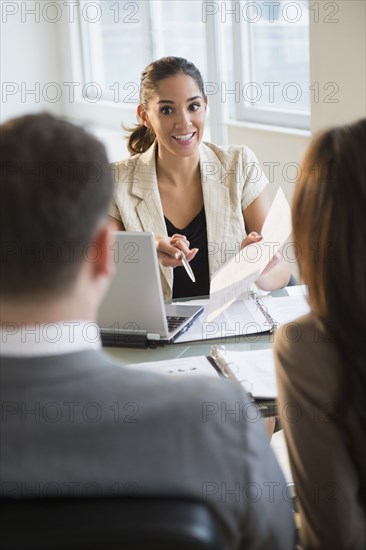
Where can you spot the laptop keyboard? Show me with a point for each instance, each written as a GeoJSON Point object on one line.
{"type": "Point", "coordinates": [174, 322]}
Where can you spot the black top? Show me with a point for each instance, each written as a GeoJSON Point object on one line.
{"type": "Point", "coordinates": [197, 235]}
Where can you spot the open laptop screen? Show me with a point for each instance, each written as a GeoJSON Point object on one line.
{"type": "Point", "coordinates": [134, 305]}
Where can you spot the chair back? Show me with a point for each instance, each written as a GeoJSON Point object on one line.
{"type": "Point", "coordinates": [109, 524]}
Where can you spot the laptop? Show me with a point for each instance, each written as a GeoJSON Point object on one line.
{"type": "Point", "coordinates": [133, 312]}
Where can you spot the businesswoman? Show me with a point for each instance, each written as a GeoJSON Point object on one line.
{"type": "Point", "coordinates": [321, 359]}
{"type": "Point", "coordinates": [204, 200]}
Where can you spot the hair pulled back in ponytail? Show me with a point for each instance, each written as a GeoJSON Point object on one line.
{"type": "Point", "coordinates": [141, 137]}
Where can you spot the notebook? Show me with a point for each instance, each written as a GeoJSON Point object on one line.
{"type": "Point", "coordinates": [133, 312]}
{"type": "Point", "coordinates": [250, 314]}
{"type": "Point", "coordinates": [253, 369]}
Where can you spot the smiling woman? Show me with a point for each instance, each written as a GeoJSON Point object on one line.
{"type": "Point", "coordinates": [204, 200]}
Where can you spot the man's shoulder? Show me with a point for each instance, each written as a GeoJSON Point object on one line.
{"type": "Point", "coordinates": [48, 368]}
{"type": "Point", "coordinates": [193, 399]}
{"type": "Point", "coordinates": [97, 361]}
{"type": "Point", "coordinates": [184, 393]}
{"type": "Point", "coordinates": [193, 403]}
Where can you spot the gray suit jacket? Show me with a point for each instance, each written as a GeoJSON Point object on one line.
{"type": "Point", "coordinates": [80, 424]}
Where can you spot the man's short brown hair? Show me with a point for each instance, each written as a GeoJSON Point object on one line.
{"type": "Point", "coordinates": [56, 185]}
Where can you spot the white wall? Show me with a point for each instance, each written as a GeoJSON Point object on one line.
{"type": "Point", "coordinates": [278, 151]}
{"type": "Point", "coordinates": [338, 55]}
{"type": "Point", "coordinates": [30, 60]}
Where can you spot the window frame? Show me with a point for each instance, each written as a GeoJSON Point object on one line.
{"type": "Point", "coordinates": [107, 113]}
{"type": "Point", "coordinates": [242, 58]}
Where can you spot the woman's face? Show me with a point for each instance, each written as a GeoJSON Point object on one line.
{"type": "Point", "coordinates": [176, 113]}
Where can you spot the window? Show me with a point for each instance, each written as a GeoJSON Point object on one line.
{"type": "Point", "coordinates": [119, 38]}
{"type": "Point", "coordinates": [268, 72]}
{"type": "Point", "coordinates": [128, 35]}
{"type": "Point", "coordinates": [253, 56]}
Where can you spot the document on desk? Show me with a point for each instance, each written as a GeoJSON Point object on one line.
{"type": "Point", "coordinates": [237, 275]}
{"type": "Point", "coordinates": [284, 309]}
{"type": "Point", "coordinates": [244, 317]}
{"type": "Point", "coordinates": [253, 369]}
{"type": "Point", "coordinates": [183, 366]}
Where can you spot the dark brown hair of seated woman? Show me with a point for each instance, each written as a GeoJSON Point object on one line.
{"type": "Point", "coordinates": [329, 229]}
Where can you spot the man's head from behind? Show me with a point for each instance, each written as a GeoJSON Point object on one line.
{"type": "Point", "coordinates": [56, 185]}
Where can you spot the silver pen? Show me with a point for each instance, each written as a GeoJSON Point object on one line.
{"type": "Point", "coordinates": [187, 267]}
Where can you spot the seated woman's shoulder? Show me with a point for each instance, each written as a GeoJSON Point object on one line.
{"type": "Point", "coordinates": [306, 337]}
{"type": "Point", "coordinates": [304, 331]}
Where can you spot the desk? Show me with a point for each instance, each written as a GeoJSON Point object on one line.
{"type": "Point", "coordinates": [189, 349]}
{"type": "Point", "coordinates": [174, 351]}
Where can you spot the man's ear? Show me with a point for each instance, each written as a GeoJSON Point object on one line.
{"type": "Point", "coordinates": [103, 242]}
{"type": "Point", "coordinates": [143, 116]}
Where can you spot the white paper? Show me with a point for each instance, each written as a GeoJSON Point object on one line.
{"type": "Point", "coordinates": [255, 370]}
{"type": "Point", "coordinates": [244, 318]}
{"type": "Point", "coordinates": [236, 276]}
{"type": "Point", "coordinates": [184, 366]}
{"type": "Point", "coordinates": [237, 320]}
{"type": "Point", "coordinates": [285, 309]}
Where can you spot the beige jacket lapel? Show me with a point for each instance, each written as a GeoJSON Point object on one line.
{"type": "Point", "coordinates": [149, 210]}
{"type": "Point", "coordinates": [216, 198]}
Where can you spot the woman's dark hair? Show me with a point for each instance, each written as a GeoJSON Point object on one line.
{"type": "Point", "coordinates": [141, 137]}
{"type": "Point", "coordinates": [329, 228]}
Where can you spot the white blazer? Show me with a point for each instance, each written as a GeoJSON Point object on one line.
{"type": "Point", "coordinates": [232, 179]}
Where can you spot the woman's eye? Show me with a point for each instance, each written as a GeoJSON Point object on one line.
{"type": "Point", "coordinates": [194, 106]}
{"type": "Point", "coordinates": [166, 110]}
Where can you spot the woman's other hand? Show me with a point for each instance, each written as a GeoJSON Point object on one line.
{"type": "Point", "coordinates": [253, 237]}
{"type": "Point", "coordinates": [275, 275]}
{"type": "Point", "coordinates": [277, 272]}
{"type": "Point", "coordinates": [169, 250]}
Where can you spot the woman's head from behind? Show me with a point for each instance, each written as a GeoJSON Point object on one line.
{"type": "Point", "coordinates": [329, 227]}
{"type": "Point", "coordinates": [168, 76]}
{"type": "Point", "coordinates": [329, 221]}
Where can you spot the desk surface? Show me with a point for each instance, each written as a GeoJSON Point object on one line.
{"type": "Point", "coordinates": [190, 349]}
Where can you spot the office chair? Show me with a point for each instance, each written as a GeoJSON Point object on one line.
{"type": "Point", "coordinates": [108, 524]}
